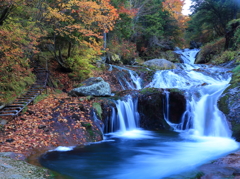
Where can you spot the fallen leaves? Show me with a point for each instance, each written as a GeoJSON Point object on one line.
{"type": "Point", "coordinates": [55, 113]}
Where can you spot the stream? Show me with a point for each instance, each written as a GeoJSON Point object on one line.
{"type": "Point", "coordinates": [128, 151]}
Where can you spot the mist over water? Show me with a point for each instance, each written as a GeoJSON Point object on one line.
{"type": "Point", "coordinates": [130, 152]}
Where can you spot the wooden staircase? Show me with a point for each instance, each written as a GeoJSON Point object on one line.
{"type": "Point", "coordinates": [20, 103]}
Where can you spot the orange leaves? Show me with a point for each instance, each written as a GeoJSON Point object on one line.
{"type": "Point", "coordinates": [85, 18]}
{"type": "Point", "coordinates": [56, 120]}
{"type": "Point", "coordinates": [130, 12]}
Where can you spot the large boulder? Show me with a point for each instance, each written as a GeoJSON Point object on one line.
{"type": "Point", "coordinates": [229, 103]}
{"type": "Point", "coordinates": [161, 64]}
{"type": "Point", "coordinates": [95, 86]}
{"type": "Point", "coordinates": [151, 108]}
{"type": "Point", "coordinates": [230, 106]}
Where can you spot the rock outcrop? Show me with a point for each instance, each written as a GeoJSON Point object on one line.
{"type": "Point", "coordinates": [150, 102]}
{"type": "Point", "coordinates": [161, 64]}
{"type": "Point", "coordinates": [95, 86]}
{"type": "Point", "coordinates": [12, 165]}
{"type": "Point", "coordinates": [194, 44]}
{"type": "Point", "coordinates": [151, 107]}
{"type": "Point", "coordinates": [229, 104]}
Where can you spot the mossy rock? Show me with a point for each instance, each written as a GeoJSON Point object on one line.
{"type": "Point", "coordinates": [98, 108]}
{"type": "Point", "coordinates": [236, 130]}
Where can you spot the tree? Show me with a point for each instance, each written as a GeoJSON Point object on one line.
{"type": "Point", "coordinates": [19, 39]}
{"type": "Point", "coordinates": [210, 18]}
{"type": "Point", "coordinates": [79, 22]}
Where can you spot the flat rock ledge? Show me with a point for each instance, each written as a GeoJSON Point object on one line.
{"type": "Point", "coordinates": [13, 166]}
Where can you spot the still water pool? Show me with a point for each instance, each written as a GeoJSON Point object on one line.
{"type": "Point", "coordinates": [137, 154]}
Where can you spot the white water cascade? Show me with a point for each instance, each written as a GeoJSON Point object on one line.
{"type": "Point", "coordinates": [135, 83]}
{"type": "Point", "coordinates": [203, 87]}
{"type": "Point", "coordinates": [130, 152]}
{"type": "Point", "coordinates": [188, 56]}
{"type": "Point", "coordinates": [125, 117]}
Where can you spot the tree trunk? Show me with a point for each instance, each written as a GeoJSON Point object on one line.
{"type": "Point", "coordinates": [5, 14]}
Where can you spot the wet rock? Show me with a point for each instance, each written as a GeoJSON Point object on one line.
{"type": "Point", "coordinates": [225, 167]}
{"type": "Point", "coordinates": [151, 107]}
{"type": "Point", "coordinates": [95, 86]}
{"type": "Point", "coordinates": [229, 104]}
{"type": "Point", "coordinates": [194, 44]}
{"type": "Point", "coordinates": [161, 64]}
{"type": "Point", "coordinates": [177, 106]}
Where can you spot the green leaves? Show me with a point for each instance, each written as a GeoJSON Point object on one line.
{"type": "Point", "coordinates": [210, 19]}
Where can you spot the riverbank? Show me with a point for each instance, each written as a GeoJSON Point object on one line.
{"type": "Point", "coordinates": [225, 167]}
{"type": "Point", "coordinates": [54, 121]}
{"type": "Point", "coordinates": [14, 166]}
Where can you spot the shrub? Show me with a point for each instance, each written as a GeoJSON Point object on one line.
{"type": "Point", "coordinates": [210, 51]}
{"type": "Point", "coordinates": [236, 75]}
{"type": "Point", "coordinates": [81, 64]}
{"type": "Point", "coordinates": [125, 49]}
{"type": "Point", "coordinates": [234, 26]}
{"type": "Point", "coordinates": [225, 57]}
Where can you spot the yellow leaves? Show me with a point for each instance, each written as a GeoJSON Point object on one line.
{"type": "Point", "coordinates": [86, 17]}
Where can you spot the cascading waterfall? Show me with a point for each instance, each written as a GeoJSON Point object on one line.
{"type": "Point", "coordinates": [202, 116]}
{"type": "Point", "coordinates": [188, 56]}
{"type": "Point", "coordinates": [202, 89]}
{"type": "Point", "coordinates": [125, 117]}
{"type": "Point", "coordinates": [136, 81]}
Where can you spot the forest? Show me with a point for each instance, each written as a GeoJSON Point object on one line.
{"type": "Point", "coordinates": [78, 33]}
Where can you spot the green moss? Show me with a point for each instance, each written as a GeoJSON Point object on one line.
{"type": "Point", "coordinates": [198, 175]}
{"type": "Point", "coordinates": [236, 76]}
{"type": "Point", "coordinates": [211, 51]}
{"type": "Point", "coordinates": [222, 104]}
{"type": "Point", "coordinates": [176, 90]}
{"type": "Point", "coordinates": [40, 98]}
{"type": "Point", "coordinates": [236, 130]}
{"type": "Point", "coordinates": [98, 109]}
{"type": "Point", "coordinates": [225, 56]}
{"type": "Point", "coordinates": [86, 125]}
{"type": "Point", "coordinates": [149, 90]}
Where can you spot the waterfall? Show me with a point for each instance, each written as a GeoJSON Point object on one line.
{"type": "Point", "coordinates": [129, 152]}
{"type": "Point", "coordinates": [135, 81]}
{"type": "Point", "coordinates": [187, 55]}
{"type": "Point", "coordinates": [125, 117]}
{"type": "Point", "coordinates": [203, 86]}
